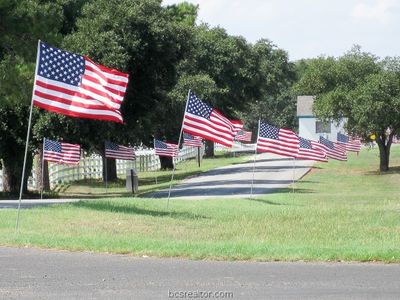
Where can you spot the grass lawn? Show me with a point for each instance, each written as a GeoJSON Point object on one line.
{"type": "Point", "coordinates": [340, 211]}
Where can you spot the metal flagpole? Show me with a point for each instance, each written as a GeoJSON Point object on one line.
{"type": "Point", "coordinates": [294, 170]}
{"type": "Point", "coordinates": [105, 166]}
{"type": "Point", "coordinates": [154, 144]}
{"type": "Point", "coordinates": [41, 182]}
{"type": "Point", "coordinates": [179, 142]}
{"type": "Point", "coordinates": [27, 140]}
{"type": "Point", "coordinates": [198, 156]}
{"type": "Point", "coordinates": [254, 163]}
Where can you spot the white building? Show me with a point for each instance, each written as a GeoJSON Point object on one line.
{"type": "Point", "coordinates": [309, 126]}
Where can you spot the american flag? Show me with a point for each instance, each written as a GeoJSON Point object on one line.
{"type": "Point", "coordinates": [348, 143]}
{"type": "Point", "coordinates": [329, 148]}
{"type": "Point", "coordinates": [237, 125]}
{"type": "Point", "coordinates": [307, 151]}
{"type": "Point", "coordinates": [119, 152]}
{"type": "Point", "coordinates": [277, 140]}
{"type": "Point", "coordinates": [202, 120]}
{"type": "Point", "coordinates": [192, 141]}
{"type": "Point", "coordinates": [62, 153]}
{"type": "Point", "coordinates": [166, 149]}
{"type": "Point", "coordinates": [73, 85]}
{"type": "Point", "coordinates": [243, 136]}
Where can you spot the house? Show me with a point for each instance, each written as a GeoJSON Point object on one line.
{"type": "Point", "coordinates": [310, 127]}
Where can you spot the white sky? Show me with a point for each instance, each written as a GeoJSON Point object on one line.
{"type": "Point", "coordinates": [309, 28]}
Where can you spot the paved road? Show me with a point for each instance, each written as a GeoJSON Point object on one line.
{"type": "Point", "coordinates": [271, 172]}
{"type": "Point", "coordinates": [44, 274]}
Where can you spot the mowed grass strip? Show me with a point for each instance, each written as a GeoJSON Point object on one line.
{"type": "Point", "coordinates": [341, 211]}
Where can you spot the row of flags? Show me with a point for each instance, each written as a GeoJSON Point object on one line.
{"type": "Point", "coordinates": [287, 143]}
{"type": "Point", "coordinates": [70, 154]}
{"type": "Point", "coordinates": [73, 85]}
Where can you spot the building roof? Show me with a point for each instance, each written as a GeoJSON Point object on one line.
{"type": "Point", "coordinates": [305, 105]}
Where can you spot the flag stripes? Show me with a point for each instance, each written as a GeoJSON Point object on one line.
{"type": "Point", "coordinates": [306, 151]}
{"type": "Point", "coordinates": [202, 120]}
{"type": "Point", "coordinates": [243, 136]}
{"type": "Point", "coordinates": [60, 152]}
{"type": "Point", "coordinates": [119, 152]}
{"type": "Point", "coordinates": [75, 86]}
{"type": "Point", "coordinates": [192, 141]}
{"type": "Point", "coordinates": [329, 148]}
{"type": "Point", "coordinates": [166, 149]}
{"type": "Point", "coordinates": [277, 140]}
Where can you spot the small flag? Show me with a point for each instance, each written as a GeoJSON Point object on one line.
{"type": "Point", "coordinates": [166, 149]}
{"type": "Point", "coordinates": [202, 120]}
{"type": "Point", "coordinates": [73, 85]}
{"type": "Point", "coordinates": [307, 151]}
{"type": "Point", "coordinates": [277, 140]}
{"type": "Point", "coordinates": [348, 144]}
{"type": "Point", "coordinates": [329, 148]}
{"type": "Point", "coordinates": [62, 153]}
{"type": "Point", "coordinates": [237, 125]}
{"type": "Point", "coordinates": [243, 136]}
{"type": "Point", "coordinates": [119, 152]}
{"type": "Point", "coordinates": [192, 141]}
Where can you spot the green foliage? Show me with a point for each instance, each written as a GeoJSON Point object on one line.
{"type": "Point", "coordinates": [22, 24]}
{"type": "Point", "coordinates": [360, 88]}
{"type": "Point", "coordinates": [184, 13]}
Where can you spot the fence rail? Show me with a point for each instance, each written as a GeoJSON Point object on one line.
{"type": "Point", "coordinates": [91, 167]}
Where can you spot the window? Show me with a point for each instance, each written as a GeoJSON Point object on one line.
{"type": "Point", "coordinates": [321, 127]}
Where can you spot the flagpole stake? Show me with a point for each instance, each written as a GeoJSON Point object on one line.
{"type": "Point", "coordinates": [254, 162]}
{"type": "Point", "coordinates": [27, 144]}
{"type": "Point", "coordinates": [179, 142]}
{"type": "Point", "coordinates": [105, 166]}
{"type": "Point", "coordinates": [294, 170]}
{"type": "Point", "coordinates": [42, 179]}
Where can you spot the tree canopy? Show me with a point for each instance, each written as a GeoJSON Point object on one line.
{"type": "Point", "coordinates": [361, 88]}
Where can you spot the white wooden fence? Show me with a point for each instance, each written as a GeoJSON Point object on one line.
{"type": "Point", "coordinates": [91, 167]}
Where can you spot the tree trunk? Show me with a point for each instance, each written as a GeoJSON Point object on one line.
{"type": "Point", "coordinates": [384, 151]}
{"type": "Point", "coordinates": [111, 173]}
{"type": "Point", "coordinates": [12, 171]}
{"type": "Point", "coordinates": [166, 162]}
{"type": "Point", "coordinates": [38, 172]}
{"type": "Point", "coordinates": [11, 182]}
{"type": "Point", "coordinates": [209, 151]}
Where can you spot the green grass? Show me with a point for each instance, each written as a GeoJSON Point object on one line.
{"type": "Point", "coordinates": [148, 181]}
{"type": "Point", "coordinates": [340, 212]}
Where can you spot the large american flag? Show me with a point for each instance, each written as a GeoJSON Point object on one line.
{"type": "Point", "coordinates": [119, 152]}
{"type": "Point", "coordinates": [166, 149]}
{"type": "Point", "coordinates": [277, 140]}
{"type": "Point", "coordinates": [348, 143]}
{"type": "Point", "coordinates": [202, 120]}
{"type": "Point", "coordinates": [329, 148]}
{"type": "Point", "coordinates": [62, 153]}
{"type": "Point", "coordinates": [192, 141]}
{"type": "Point", "coordinates": [307, 151]}
{"type": "Point", "coordinates": [73, 85]}
{"type": "Point", "coordinates": [243, 136]}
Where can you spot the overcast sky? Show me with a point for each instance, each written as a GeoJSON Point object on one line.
{"type": "Point", "coordinates": [309, 28]}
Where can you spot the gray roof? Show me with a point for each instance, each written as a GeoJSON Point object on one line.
{"type": "Point", "coordinates": [305, 105]}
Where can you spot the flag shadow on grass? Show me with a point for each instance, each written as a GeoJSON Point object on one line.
{"type": "Point", "coordinates": [128, 208]}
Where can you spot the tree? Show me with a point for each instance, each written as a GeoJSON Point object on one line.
{"type": "Point", "coordinates": [360, 88]}
{"type": "Point", "coordinates": [140, 38]}
{"type": "Point", "coordinates": [273, 98]}
{"type": "Point", "coordinates": [22, 23]}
